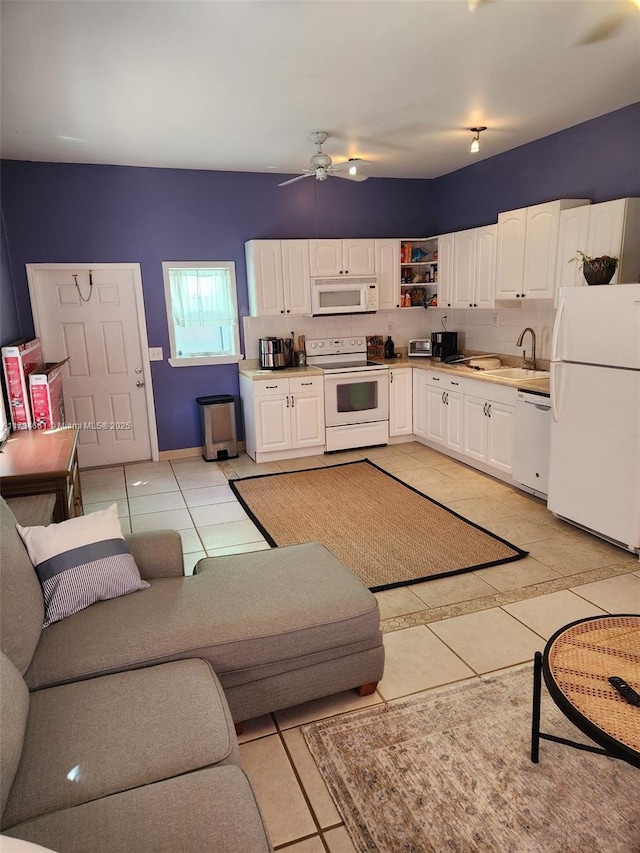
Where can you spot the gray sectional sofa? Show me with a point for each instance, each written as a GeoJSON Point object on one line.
{"type": "Point", "coordinates": [118, 721]}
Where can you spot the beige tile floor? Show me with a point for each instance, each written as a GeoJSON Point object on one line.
{"type": "Point", "coordinates": [436, 632]}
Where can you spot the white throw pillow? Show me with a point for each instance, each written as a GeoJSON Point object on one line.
{"type": "Point", "coordinates": [81, 561]}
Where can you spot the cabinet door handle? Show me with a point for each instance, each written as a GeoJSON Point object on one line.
{"type": "Point", "coordinates": [306, 383]}
{"type": "Point", "coordinates": [391, 379]}
{"type": "Point", "coordinates": [287, 401]}
{"type": "Point", "coordinates": [484, 409]}
{"type": "Point", "coordinates": [443, 400]}
{"type": "Point", "coordinates": [270, 386]}
{"type": "Point", "coordinates": [293, 401]}
{"type": "Point", "coordinates": [489, 409]}
{"type": "Point", "coordinates": [454, 383]}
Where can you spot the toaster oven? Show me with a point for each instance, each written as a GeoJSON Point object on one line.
{"type": "Point", "coordinates": [420, 346]}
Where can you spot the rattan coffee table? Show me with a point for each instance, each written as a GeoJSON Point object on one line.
{"type": "Point", "coordinates": [576, 664]}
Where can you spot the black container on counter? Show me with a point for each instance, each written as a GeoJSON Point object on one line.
{"type": "Point", "coordinates": [389, 348]}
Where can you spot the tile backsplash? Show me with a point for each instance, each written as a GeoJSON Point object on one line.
{"type": "Point", "coordinates": [478, 330]}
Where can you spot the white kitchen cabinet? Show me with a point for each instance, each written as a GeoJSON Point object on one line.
{"type": "Point", "coordinates": [527, 250]}
{"type": "Point", "coordinates": [387, 270]}
{"type": "Point", "coordinates": [278, 277]}
{"type": "Point", "coordinates": [614, 229]}
{"type": "Point", "coordinates": [489, 412]}
{"type": "Point", "coordinates": [283, 418]}
{"type": "Point", "coordinates": [573, 235]}
{"type": "Point", "coordinates": [445, 410]}
{"type": "Point", "coordinates": [608, 228]}
{"type": "Point", "coordinates": [329, 258]}
{"type": "Point", "coordinates": [400, 401]}
{"type": "Point", "coordinates": [474, 267]}
{"type": "Point", "coordinates": [419, 394]}
{"type": "Point", "coordinates": [445, 270]}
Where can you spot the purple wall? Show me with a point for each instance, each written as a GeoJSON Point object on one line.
{"type": "Point", "coordinates": [597, 159]}
{"type": "Point", "coordinates": [63, 213]}
{"type": "Point", "coordinates": [81, 214]}
{"type": "Point", "coordinates": [9, 325]}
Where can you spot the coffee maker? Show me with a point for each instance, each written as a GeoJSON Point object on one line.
{"type": "Point", "coordinates": [443, 344]}
{"type": "Point", "coordinates": [275, 353]}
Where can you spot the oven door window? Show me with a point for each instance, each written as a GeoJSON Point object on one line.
{"type": "Point", "coordinates": [361, 396]}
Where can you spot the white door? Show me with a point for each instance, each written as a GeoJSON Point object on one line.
{"type": "Point", "coordinates": [296, 276]}
{"type": "Point", "coordinates": [445, 270]}
{"type": "Point", "coordinates": [264, 277]}
{"type": "Point", "coordinates": [273, 423]}
{"type": "Point", "coordinates": [475, 428]}
{"type": "Point", "coordinates": [594, 463]}
{"type": "Point", "coordinates": [307, 419]}
{"type": "Point", "coordinates": [400, 402]}
{"type": "Point", "coordinates": [359, 257]}
{"type": "Point", "coordinates": [99, 325]}
{"type": "Point", "coordinates": [486, 239]}
{"type": "Point", "coordinates": [541, 250]}
{"type": "Point", "coordinates": [325, 258]}
{"type": "Point", "coordinates": [435, 414]}
{"type": "Point", "coordinates": [420, 402]}
{"type": "Point", "coordinates": [454, 419]}
{"type": "Point", "coordinates": [500, 436]}
{"type": "Point", "coordinates": [574, 229]}
{"type": "Point", "coordinates": [464, 268]}
{"type": "Point", "coordinates": [512, 228]}
{"type": "Point", "coordinates": [388, 273]}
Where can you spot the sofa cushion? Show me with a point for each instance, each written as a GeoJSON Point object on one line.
{"type": "Point", "coordinates": [81, 561]}
{"type": "Point", "coordinates": [106, 735]}
{"type": "Point", "coordinates": [264, 608]}
{"type": "Point", "coordinates": [21, 602]}
{"type": "Point", "coordinates": [14, 707]}
{"type": "Point", "coordinates": [210, 810]}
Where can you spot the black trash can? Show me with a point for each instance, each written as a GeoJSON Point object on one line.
{"type": "Point", "coordinates": [218, 415]}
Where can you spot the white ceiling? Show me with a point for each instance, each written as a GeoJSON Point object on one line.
{"type": "Point", "coordinates": [240, 85]}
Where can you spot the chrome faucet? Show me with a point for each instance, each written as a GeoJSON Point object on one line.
{"type": "Point", "coordinates": [528, 362]}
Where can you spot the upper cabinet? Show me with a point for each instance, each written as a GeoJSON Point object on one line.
{"type": "Point", "coordinates": [527, 250]}
{"type": "Point", "coordinates": [445, 270]}
{"type": "Point", "coordinates": [329, 258]}
{"type": "Point", "coordinates": [474, 267]}
{"type": "Point", "coordinates": [608, 228]}
{"type": "Point", "coordinates": [387, 265]}
{"type": "Point", "coordinates": [278, 277]}
{"type": "Point", "coordinates": [418, 271]}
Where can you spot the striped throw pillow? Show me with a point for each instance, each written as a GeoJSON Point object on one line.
{"type": "Point", "coordinates": [81, 561]}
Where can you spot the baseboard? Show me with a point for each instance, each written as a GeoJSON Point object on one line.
{"type": "Point", "coordinates": [187, 452]}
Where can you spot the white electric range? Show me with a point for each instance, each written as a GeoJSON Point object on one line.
{"type": "Point", "coordinates": [356, 393]}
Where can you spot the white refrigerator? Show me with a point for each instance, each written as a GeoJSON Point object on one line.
{"type": "Point", "coordinates": [594, 462]}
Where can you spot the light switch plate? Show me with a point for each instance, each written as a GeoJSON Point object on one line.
{"type": "Point", "coordinates": [155, 354]}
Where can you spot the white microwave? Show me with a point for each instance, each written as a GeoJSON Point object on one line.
{"type": "Point", "coordinates": [355, 294]}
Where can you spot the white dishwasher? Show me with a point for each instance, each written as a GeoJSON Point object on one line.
{"type": "Point", "coordinates": [531, 442]}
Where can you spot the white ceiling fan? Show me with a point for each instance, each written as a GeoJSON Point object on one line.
{"type": "Point", "coordinates": [321, 166]}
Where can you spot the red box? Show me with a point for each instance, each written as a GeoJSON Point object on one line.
{"type": "Point", "coordinates": [18, 361]}
{"type": "Point", "coordinates": [45, 388]}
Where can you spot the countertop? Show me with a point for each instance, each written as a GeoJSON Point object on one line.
{"type": "Point", "coordinates": [252, 371]}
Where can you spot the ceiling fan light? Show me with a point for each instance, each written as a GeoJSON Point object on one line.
{"type": "Point", "coordinates": [353, 169]}
{"type": "Point", "coordinates": [475, 142]}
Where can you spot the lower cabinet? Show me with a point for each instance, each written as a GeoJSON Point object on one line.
{"type": "Point", "coordinates": [488, 425]}
{"type": "Point", "coordinates": [445, 411]}
{"type": "Point", "coordinates": [283, 417]}
{"type": "Point", "coordinates": [470, 418]}
{"type": "Point", "coordinates": [400, 401]}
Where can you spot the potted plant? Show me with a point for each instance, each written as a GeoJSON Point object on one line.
{"type": "Point", "coordinates": [597, 270]}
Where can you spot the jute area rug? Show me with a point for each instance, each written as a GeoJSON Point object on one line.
{"type": "Point", "coordinates": [450, 771]}
{"type": "Point", "coordinates": [387, 533]}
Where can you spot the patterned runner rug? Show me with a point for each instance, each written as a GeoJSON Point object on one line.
{"type": "Point", "coordinates": [449, 770]}
{"type": "Point", "coordinates": [386, 532]}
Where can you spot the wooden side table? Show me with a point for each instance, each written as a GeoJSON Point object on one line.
{"type": "Point", "coordinates": [43, 462]}
{"type": "Point", "coordinates": [576, 666]}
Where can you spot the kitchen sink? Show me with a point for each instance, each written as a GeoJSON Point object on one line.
{"type": "Point", "coordinates": [517, 373]}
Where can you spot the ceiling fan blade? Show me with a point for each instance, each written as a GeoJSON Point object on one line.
{"type": "Point", "coordinates": [293, 180]}
{"type": "Point", "coordinates": [603, 30]}
{"type": "Point", "coordinates": [347, 164]}
{"type": "Point", "coordinates": [349, 177]}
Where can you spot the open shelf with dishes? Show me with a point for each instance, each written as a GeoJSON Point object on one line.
{"type": "Point", "coordinates": [418, 272]}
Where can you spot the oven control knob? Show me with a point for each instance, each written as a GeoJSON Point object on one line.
{"type": "Point", "coordinates": [321, 344]}
{"type": "Point", "coordinates": [313, 345]}
{"type": "Point", "coordinates": [352, 342]}
{"type": "Point", "coordinates": [359, 341]}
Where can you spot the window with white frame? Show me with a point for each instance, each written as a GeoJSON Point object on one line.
{"type": "Point", "coordinates": [202, 312]}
